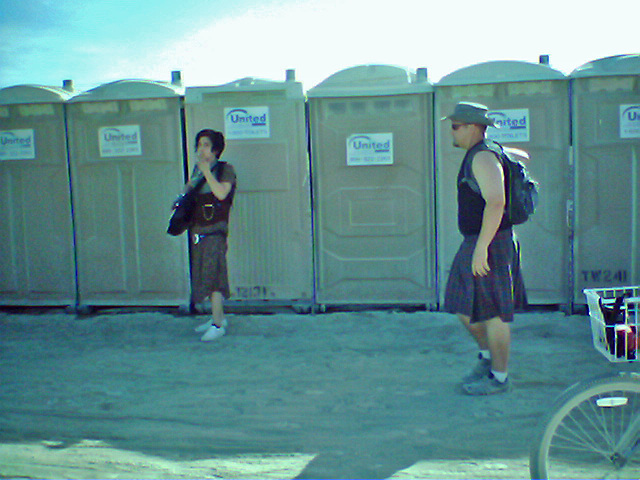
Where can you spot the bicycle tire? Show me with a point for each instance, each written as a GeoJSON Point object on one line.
{"type": "Point", "coordinates": [576, 439]}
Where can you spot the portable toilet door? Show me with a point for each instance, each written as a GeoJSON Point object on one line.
{"type": "Point", "coordinates": [127, 164]}
{"type": "Point", "coordinates": [373, 200]}
{"type": "Point", "coordinates": [530, 103]}
{"type": "Point", "coordinates": [36, 237]}
{"type": "Point", "coordinates": [606, 136]}
{"type": "Point", "coordinates": [270, 242]}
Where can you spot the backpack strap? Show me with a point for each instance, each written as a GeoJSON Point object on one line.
{"type": "Point", "coordinates": [467, 171]}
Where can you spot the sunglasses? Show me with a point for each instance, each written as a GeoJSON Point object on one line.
{"type": "Point", "coordinates": [456, 126]}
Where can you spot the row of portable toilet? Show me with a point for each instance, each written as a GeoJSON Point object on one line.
{"type": "Point", "coordinates": [88, 179]}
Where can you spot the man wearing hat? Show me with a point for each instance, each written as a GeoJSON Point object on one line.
{"type": "Point", "coordinates": [485, 283]}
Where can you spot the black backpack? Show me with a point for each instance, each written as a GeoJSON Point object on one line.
{"type": "Point", "coordinates": [521, 191]}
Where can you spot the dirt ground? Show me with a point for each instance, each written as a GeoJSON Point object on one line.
{"type": "Point", "coordinates": [371, 394]}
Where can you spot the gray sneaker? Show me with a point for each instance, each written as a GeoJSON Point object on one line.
{"type": "Point", "coordinates": [486, 386]}
{"type": "Point", "coordinates": [482, 369]}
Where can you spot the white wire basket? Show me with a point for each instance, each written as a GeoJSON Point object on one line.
{"type": "Point", "coordinates": [615, 322]}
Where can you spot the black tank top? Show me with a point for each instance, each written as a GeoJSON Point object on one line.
{"type": "Point", "coordinates": [470, 203]}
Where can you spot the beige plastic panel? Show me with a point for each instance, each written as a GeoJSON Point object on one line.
{"type": "Point", "coordinates": [36, 238]}
{"type": "Point", "coordinates": [122, 204]}
{"type": "Point", "coordinates": [270, 241]}
{"type": "Point", "coordinates": [607, 237]}
{"type": "Point", "coordinates": [544, 238]}
{"type": "Point", "coordinates": [375, 234]}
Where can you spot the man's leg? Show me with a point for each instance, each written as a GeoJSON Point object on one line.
{"type": "Point", "coordinates": [499, 342]}
{"type": "Point", "coordinates": [477, 330]}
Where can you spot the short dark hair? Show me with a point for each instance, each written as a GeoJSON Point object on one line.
{"type": "Point", "coordinates": [217, 140]}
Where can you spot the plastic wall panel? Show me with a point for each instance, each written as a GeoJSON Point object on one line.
{"type": "Point", "coordinates": [607, 225]}
{"type": "Point", "coordinates": [36, 236]}
{"type": "Point", "coordinates": [270, 255]}
{"type": "Point", "coordinates": [545, 237]}
{"type": "Point", "coordinates": [122, 202]}
{"type": "Point", "coordinates": [374, 224]}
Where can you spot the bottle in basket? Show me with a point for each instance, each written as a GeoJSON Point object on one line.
{"type": "Point", "coordinates": [626, 340]}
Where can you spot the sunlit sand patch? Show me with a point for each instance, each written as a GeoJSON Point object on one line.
{"type": "Point", "coordinates": [467, 469]}
{"type": "Point", "coordinates": [92, 459]}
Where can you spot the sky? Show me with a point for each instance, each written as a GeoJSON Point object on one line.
{"type": "Point", "coordinates": [213, 42]}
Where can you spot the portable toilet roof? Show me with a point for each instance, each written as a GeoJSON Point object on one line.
{"type": "Point", "coordinates": [371, 80]}
{"type": "Point", "coordinates": [33, 94]}
{"type": "Point", "coordinates": [292, 88]}
{"type": "Point", "coordinates": [609, 66]}
{"type": "Point", "coordinates": [129, 90]}
{"type": "Point", "coordinates": [502, 71]}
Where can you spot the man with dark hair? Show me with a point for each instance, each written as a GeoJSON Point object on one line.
{"type": "Point", "coordinates": [485, 283]}
{"type": "Point", "coordinates": [210, 228]}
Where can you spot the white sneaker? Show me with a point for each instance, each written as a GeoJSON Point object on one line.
{"type": "Point", "coordinates": [205, 326]}
{"type": "Point", "coordinates": [213, 332]}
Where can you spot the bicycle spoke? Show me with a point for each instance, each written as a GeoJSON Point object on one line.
{"type": "Point", "coordinates": [577, 433]}
{"type": "Point", "coordinates": [582, 436]}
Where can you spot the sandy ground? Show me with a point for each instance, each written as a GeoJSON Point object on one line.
{"type": "Point", "coordinates": [370, 394]}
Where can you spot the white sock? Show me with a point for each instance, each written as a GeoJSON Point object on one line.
{"type": "Point", "coordinates": [486, 354]}
{"type": "Point", "coordinates": [499, 376]}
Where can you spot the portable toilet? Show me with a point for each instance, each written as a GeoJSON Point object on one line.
{"type": "Point", "coordinates": [373, 193]}
{"type": "Point", "coordinates": [530, 103]}
{"type": "Point", "coordinates": [606, 140]}
{"type": "Point", "coordinates": [36, 237]}
{"type": "Point", "coordinates": [270, 242]}
{"type": "Point", "coordinates": [127, 165]}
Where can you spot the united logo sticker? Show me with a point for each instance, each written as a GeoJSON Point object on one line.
{"type": "Point", "coordinates": [120, 141]}
{"type": "Point", "coordinates": [248, 122]}
{"type": "Point", "coordinates": [17, 145]}
{"type": "Point", "coordinates": [629, 121]}
{"type": "Point", "coordinates": [370, 149]}
{"type": "Point", "coordinates": [511, 125]}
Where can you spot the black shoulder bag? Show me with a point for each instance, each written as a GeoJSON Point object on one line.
{"type": "Point", "coordinates": [184, 204]}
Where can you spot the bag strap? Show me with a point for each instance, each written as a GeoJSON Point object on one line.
{"type": "Point", "coordinates": [467, 172]}
{"type": "Point", "coordinates": [198, 184]}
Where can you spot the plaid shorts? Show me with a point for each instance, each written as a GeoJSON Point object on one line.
{"type": "Point", "coordinates": [498, 294]}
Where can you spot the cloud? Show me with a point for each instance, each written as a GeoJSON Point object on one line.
{"type": "Point", "coordinates": [320, 36]}
{"type": "Point", "coordinates": [217, 41]}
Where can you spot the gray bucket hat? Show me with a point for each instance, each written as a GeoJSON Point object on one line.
{"type": "Point", "coordinates": [470, 113]}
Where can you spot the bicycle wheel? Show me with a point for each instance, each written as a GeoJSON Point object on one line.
{"type": "Point", "coordinates": [578, 438]}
